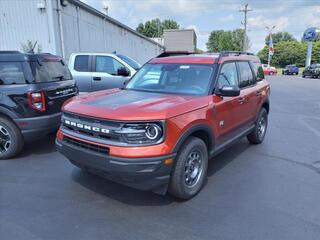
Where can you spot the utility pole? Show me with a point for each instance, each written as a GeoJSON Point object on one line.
{"type": "Point", "coordinates": [245, 10]}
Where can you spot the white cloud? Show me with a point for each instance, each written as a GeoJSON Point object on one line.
{"type": "Point", "coordinates": [227, 18]}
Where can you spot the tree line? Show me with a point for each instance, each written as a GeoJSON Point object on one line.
{"type": "Point", "coordinates": [287, 49]}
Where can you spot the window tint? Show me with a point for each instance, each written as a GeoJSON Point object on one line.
{"type": "Point", "coordinates": [50, 71]}
{"type": "Point", "coordinates": [246, 77]}
{"type": "Point", "coordinates": [258, 71]}
{"type": "Point", "coordinates": [81, 63]}
{"type": "Point", "coordinates": [228, 75]}
{"type": "Point", "coordinates": [108, 65]}
{"type": "Point", "coordinates": [11, 73]}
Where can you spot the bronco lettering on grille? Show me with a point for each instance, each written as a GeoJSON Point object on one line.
{"type": "Point", "coordinates": [86, 127]}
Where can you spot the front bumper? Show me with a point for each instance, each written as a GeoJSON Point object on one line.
{"type": "Point", "coordinates": [37, 127]}
{"type": "Point", "coordinates": [141, 173]}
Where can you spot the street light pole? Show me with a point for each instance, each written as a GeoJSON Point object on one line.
{"type": "Point", "coordinates": [270, 52]}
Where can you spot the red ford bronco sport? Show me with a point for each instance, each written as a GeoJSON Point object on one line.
{"type": "Point", "coordinates": [160, 130]}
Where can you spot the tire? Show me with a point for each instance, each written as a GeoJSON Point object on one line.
{"type": "Point", "coordinates": [270, 73]}
{"type": "Point", "coordinates": [303, 76]}
{"type": "Point", "coordinates": [260, 129]}
{"type": "Point", "coordinates": [193, 156]}
{"type": "Point", "coordinates": [11, 140]}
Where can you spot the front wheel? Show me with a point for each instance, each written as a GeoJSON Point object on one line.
{"type": "Point", "coordinates": [11, 140]}
{"type": "Point", "coordinates": [190, 169]}
{"type": "Point", "coordinates": [260, 129]}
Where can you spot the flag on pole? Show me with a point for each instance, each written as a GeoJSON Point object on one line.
{"type": "Point", "coordinates": [271, 51]}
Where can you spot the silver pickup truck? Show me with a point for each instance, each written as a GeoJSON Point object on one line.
{"type": "Point", "coordinates": [99, 71]}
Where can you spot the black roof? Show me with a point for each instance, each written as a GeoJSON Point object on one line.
{"type": "Point", "coordinates": [16, 56]}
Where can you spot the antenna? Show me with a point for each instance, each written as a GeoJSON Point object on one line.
{"type": "Point", "coordinates": [34, 45]}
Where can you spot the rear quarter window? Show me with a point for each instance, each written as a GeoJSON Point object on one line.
{"type": "Point", "coordinates": [81, 63]}
{"type": "Point", "coordinates": [11, 73]}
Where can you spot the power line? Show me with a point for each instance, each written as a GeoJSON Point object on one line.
{"type": "Point", "coordinates": [245, 10]}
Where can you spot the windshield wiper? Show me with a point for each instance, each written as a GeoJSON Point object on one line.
{"type": "Point", "coordinates": [61, 77]}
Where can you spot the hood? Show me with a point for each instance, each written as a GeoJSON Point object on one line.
{"type": "Point", "coordinates": [119, 104]}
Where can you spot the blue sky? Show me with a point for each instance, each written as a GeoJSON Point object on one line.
{"type": "Point", "coordinates": [293, 16]}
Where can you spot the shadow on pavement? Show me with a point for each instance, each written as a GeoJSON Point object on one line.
{"type": "Point", "coordinates": [132, 196]}
{"type": "Point", "coordinates": [42, 146]}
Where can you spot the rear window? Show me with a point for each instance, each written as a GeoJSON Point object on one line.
{"type": "Point", "coordinates": [11, 73]}
{"type": "Point", "coordinates": [81, 63]}
{"type": "Point", "coordinates": [50, 71]}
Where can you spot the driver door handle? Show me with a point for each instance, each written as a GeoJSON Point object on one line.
{"type": "Point", "coordinates": [242, 100]}
{"type": "Point", "coordinates": [97, 78]}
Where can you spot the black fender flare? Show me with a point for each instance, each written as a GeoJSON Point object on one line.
{"type": "Point", "coordinates": [200, 127]}
{"type": "Point", "coordinates": [7, 113]}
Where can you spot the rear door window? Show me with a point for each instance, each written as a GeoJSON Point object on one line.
{"type": "Point", "coordinates": [11, 73]}
{"type": "Point", "coordinates": [246, 76]}
{"type": "Point", "coordinates": [50, 71]}
{"type": "Point", "coordinates": [81, 63]}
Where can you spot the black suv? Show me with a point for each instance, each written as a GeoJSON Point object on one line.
{"type": "Point", "coordinates": [312, 71]}
{"type": "Point", "coordinates": [33, 88]}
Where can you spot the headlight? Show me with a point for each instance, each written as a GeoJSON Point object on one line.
{"type": "Point", "coordinates": [142, 133]}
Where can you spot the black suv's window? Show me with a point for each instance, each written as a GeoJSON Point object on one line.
{"type": "Point", "coordinates": [108, 65]}
{"type": "Point", "coordinates": [81, 63]}
{"type": "Point", "coordinates": [246, 76]}
{"type": "Point", "coordinates": [11, 73]}
{"type": "Point", "coordinates": [228, 75]}
{"type": "Point", "coordinates": [50, 71]}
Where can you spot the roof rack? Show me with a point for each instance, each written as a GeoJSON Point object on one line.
{"type": "Point", "coordinates": [9, 52]}
{"type": "Point", "coordinates": [170, 54]}
{"type": "Point", "coordinates": [234, 53]}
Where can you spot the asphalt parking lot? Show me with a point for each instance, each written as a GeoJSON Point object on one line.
{"type": "Point", "coordinates": [270, 191]}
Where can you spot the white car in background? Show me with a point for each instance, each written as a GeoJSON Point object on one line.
{"type": "Point", "coordinates": [99, 71]}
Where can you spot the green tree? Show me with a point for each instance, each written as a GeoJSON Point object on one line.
{"type": "Point", "coordinates": [155, 27]}
{"type": "Point", "coordinates": [280, 36]}
{"type": "Point", "coordinates": [221, 40]}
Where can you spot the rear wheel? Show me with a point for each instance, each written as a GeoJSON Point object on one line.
{"type": "Point", "coordinates": [190, 170]}
{"type": "Point", "coordinates": [260, 129]}
{"type": "Point", "coordinates": [11, 140]}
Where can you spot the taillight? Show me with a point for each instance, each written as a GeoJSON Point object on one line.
{"type": "Point", "coordinates": [37, 101]}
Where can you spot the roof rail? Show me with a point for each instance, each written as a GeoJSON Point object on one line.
{"type": "Point", "coordinates": [234, 53]}
{"type": "Point", "coordinates": [9, 52]}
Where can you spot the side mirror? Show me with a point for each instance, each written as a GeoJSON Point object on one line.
{"type": "Point", "coordinates": [123, 72]}
{"type": "Point", "coordinates": [229, 91]}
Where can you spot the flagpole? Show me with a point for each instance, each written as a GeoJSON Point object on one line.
{"type": "Point", "coordinates": [270, 47]}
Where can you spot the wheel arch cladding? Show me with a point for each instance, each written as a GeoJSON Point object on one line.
{"type": "Point", "coordinates": [203, 131]}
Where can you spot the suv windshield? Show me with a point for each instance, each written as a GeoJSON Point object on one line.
{"type": "Point", "coordinates": [191, 79]}
{"type": "Point", "coordinates": [50, 71]}
{"type": "Point", "coordinates": [129, 61]}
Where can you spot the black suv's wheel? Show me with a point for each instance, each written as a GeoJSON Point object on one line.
{"type": "Point", "coordinates": [260, 129]}
{"type": "Point", "coordinates": [11, 141]}
{"type": "Point", "coordinates": [190, 169]}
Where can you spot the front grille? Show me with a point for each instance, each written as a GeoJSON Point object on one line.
{"type": "Point", "coordinates": [87, 146]}
{"type": "Point", "coordinates": [111, 126]}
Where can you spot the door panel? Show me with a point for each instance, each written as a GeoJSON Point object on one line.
{"type": "Point", "coordinates": [106, 75]}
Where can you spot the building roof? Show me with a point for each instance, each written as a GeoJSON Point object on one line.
{"type": "Point", "coordinates": [110, 19]}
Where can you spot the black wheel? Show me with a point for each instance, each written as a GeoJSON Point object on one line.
{"type": "Point", "coordinates": [260, 129]}
{"type": "Point", "coordinates": [190, 169]}
{"type": "Point", "coordinates": [11, 140]}
{"type": "Point", "coordinates": [303, 76]}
